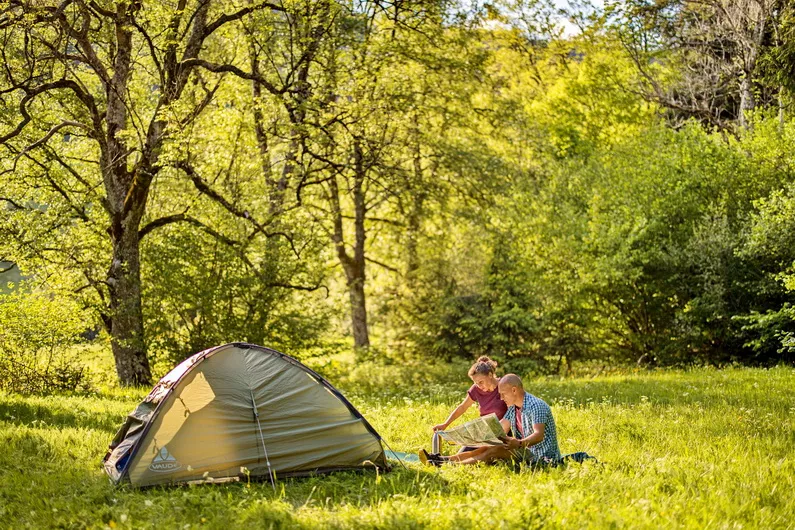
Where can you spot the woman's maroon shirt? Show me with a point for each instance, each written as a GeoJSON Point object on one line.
{"type": "Point", "coordinates": [488, 402]}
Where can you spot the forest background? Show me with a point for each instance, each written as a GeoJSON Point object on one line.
{"type": "Point", "coordinates": [407, 180]}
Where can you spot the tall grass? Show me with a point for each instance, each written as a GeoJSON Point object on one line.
{"type": "Point", "coordinates": [679, 449]}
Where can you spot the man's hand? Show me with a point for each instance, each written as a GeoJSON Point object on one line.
{"type": "Point", "coordinates": [440, 427]}
{"type": "Point", "coordinates": [512, 443]}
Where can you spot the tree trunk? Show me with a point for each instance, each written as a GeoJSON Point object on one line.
{"type": "Point", "coordinates": [781, 115]}
{"type": "Point", "coordinates": [127, 170]}
{"type": "Point", "coordinates": [756, 20]}
{"type": "Point", "coordinates": [354, 267]}
{"type": "Point", "coordinates": [747, 101]}
{"type": "Point", "coordinates": [126, 317]}
{"type": "Point", "coordinates": [416, 212]}
{"type": "Point", "coordinates": [276, 188]}
{"type": "Point", "coordinates": [361, 335]}
{"type": "Point", "coordinates": [126, 195]}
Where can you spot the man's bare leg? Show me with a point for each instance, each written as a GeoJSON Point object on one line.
{"type": "Point", "coordinates": [491, 454]}
{"type": "Point", "coordinates": [484, 454]}
{"type": "Point", "coordinates": [465, 455]}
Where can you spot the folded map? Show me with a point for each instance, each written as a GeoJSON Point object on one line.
{"type": "Point", "coordinates": [485, 430]}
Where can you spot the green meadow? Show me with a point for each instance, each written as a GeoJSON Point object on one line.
{"type": "Point", "coordinates": [677, 449]}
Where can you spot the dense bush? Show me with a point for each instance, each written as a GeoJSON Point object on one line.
{"type": "Point", "coordinates": [494, 316]}
{"type": "Point", "coordinates": [668, 248]}
{"type": "Point", "coordinates": [659, 252]}
{"type": "Point", "coordinates": [38, 332]}
{"type": "Point", "coordinates": [770, 328]}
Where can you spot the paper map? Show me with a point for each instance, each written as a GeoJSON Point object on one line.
{"type": "Point", "coordinates": [485, 430]}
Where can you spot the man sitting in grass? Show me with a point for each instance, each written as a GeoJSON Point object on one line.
{"type": "Point", "coordinates": [529, 418]}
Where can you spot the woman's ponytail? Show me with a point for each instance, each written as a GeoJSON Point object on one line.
{"type": "Point", "coordinates": [483, 366]}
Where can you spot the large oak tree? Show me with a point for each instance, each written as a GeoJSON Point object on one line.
{"type": "Point", "coordinates": [125, 78]}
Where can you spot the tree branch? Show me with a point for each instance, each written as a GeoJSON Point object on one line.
{"type": "Point", "coordinates": [235, 245]}
{"type": "Point", "coordinates": [182, 218]}
{"type": "Point", "coordinates": [224, 19]}
{"type": "Point", "coordinates": [81, 213]}
{"type": "Point", "coordinates": [104, 12]}
{"type": "Point", "coordinates": [228, 68]}
{"type": "Point", "coordinates": [152, 51]}
{"type": "Point", "coordinates": [49, 135]}
{"type": "Point", "coordinates": [384, 265]}
{"type": "Point", "coordinates": [84, 42]}
{"type": "Point", "coordinates": [299, 287]}
{"type": "Point", "coordinates": [30, 94]}
{"type": "Point", "coordinates": [206, 190]}
{"type": "Point", "coordinates": [13, 203]}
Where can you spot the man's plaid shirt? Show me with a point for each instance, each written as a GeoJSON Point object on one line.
{"type": "Point", "coordinates": [535, 410]}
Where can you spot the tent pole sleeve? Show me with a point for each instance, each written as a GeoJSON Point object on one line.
{"type": "Point", "coordinates": [262, 439]}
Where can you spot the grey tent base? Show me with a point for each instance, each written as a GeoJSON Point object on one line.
{"type": "Point", "coordinates": [265, 478]}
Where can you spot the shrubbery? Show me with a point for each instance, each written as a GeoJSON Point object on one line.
{"type": "Point", "coordinates": [38, 332]}
{"type": "Point", "coordinates": [668, 248]}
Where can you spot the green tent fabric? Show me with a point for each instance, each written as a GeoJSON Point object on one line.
{"type": "Point", "coordinates": [240, 411]}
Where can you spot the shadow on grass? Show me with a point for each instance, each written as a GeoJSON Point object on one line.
{"type": "Point", "coordinates": [346, 488]}
{"type": "Point", "coordinates": [366, 489]}
{"type": "Point", "coordinates": [260, 503]}
{"type": "Point", "coordinates": [46, 487]}
{"type": "Point", "coordinates": [19, 412]}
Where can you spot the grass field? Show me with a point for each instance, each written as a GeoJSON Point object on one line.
{"type": "Point", "coordinates": [696, 449]}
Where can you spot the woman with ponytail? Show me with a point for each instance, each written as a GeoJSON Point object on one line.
{"type": "Point", "coordinates": [483, 392]}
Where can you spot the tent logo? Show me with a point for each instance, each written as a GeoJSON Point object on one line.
{"type": "Point", "coordinates": [163, 461]}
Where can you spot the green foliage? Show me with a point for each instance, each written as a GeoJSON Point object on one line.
{"type": "Point", "coordinates": [637, 251]}
{"type": "Point", "coordinates": [770, 243]}
{"type": "Point", "coordinates": [493, 318]}
{"type": "Point", "coordinates": [38, 334]}
{"type": "Point", "coordinates": [679, 449]}
{"type": "Point", "coordinates": [596, 231]}
{"type": "Point", "coordinates": [497, 186]}
{"type": "Point", "coordinates": [772, 334]}
{"type": "Point", "coordinates": [200, 294]}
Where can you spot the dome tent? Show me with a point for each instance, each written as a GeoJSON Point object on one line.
{"type": "Point", "coordinates": [236, 410]}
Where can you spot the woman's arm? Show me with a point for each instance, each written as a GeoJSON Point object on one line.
{"type": "Point", "coordinates": [459, 410]}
